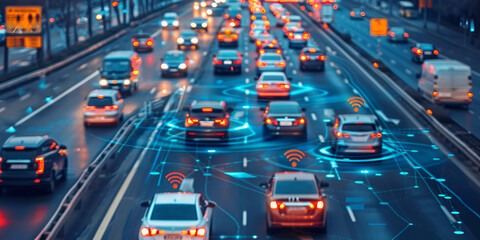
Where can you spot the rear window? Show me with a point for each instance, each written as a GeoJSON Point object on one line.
{"type": "Point", "coordinates": [271, 58]}
{"type": "Point", "coordinates": [359, 127]}
{"type": "Point", "coordinates": [295, 187]}
{"type": "Point", "coordinates": [27, 153]}
{"type": "Point", "coordinates": [427, 47]}
{"type": "Point", "coordinates": [140, 36]}
{"type": "Point", "coordinates": [273, 78]}
{"type": "Point", "coordinates": [100, 102]}
{"type": "Point", "coordinates": [284, 109]}
{"type": "Point", "coordinates": [227, 55]}
{"type": "Point", "coordinates": [174, 212]}
{"type": "Point", "coordinates": [116, 66]}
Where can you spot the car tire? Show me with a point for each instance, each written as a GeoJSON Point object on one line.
{"type": "Point", "coordinates": [64, 170]}
{"type": "Point", "coordinates": [50, 187]}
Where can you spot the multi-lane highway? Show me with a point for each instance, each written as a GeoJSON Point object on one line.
{"type": "Point", "coordinates": [416, 189]}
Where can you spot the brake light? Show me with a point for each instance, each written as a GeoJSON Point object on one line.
{"type": "Point", "coordinates": [258, 43]}
{"type": "Point", "coordinates": [264, 85]}
{"type": "Point", "coordinates": [251, 33]}
{"type": "Point", "coordinates": [150, 42]}
{"type": "Point", "coordinates": [363, 14]}
{"type": "Point", "coordinates": [273, 205]}
{"type": "Point", "coordinates": [135, 43]}
{"type": "Point", "coordinates": [339, 134]}
{"type": "Point", "coordinates": [19, 147]}
{"type": "Point", "coordinates": [321, 58]}
{"type": "Point", "coordinates": [267, 23]}
{"type": "Point", "coordinates": [239, 16]}
{"type": "Point", "coordinates": [282, 206]}
{"type": "Point", "coordinates": [435, 93]}
{"type": "Point", "coordinates": [285, 29]}
{"type": "Point", "coordinates": [352, 13]}
{"type": "Point", "coordinates": [201, 232]}
{"type": "Point", "coordinates": [261, 51]}
{"type": "Point", "coordinates": [191, 121]}
{"type": "Point", "coordinates": [89, 108]}
{"type": "Point", "coordinates": [304, 57]}
{"type": "Point", "coordinates": [207, 109]}
{"type": "Point", "coordinates": [290, 34]}
{"type": "Point", "coordinates": [301, 121]}
{"type": "Point", "coordinates": [311, 206]}
{"type": "Point", "coordinates": [274, 42]}
{"type": "Point", "coordinates": [253, 18]}
{"type": "Point", "coordinates": [305, 36]}
{"type": "Point", "coordinates": [216, 61]}
{"type": "Point", "coordinates": [320, 204]}
{"type": "Point", "coordinates": [278, 51]}
{"type": "Point", "coordinates": [419, 51]}
{"type": "Point", "coordinates": [280, 64]}
{"type": "Point", "coordinates": [114, 107]}
{"type": "Point", "coordinates": [285, 86]}
{"type": "Point", "coordinates": [40, 165]}
{"type": "Point", "coordinates": [100, 96]}
{"type": "Point", "coordinates": [392, 34]}
{"type": "Point", "coordinates": [150, 232]}
{"type": "Point", "coordinates": [226, 16]}
{"type": "Point", "coordinates": [262, 64]}
{"type": "Point", "coordinates": [222, 122]}
{"type": "Point", "coordinates": [220, 36]}
{"type": "Point", "coordinates": [406, 35]}
{"type": "Point", "coordinates": [470, 94]}
{"type": "Point", "coordinates": [376, 135]}
{"type": "Point", "coordinates": [234, 36]}
{"type": "Point", "coordinates": [379, 135]}
{"type": "Point", "coordinates": [237, 61]}
{"type": "Point", "coordinates": [435, 52]}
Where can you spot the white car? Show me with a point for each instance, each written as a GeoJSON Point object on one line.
{"type": "Point", "coordinates": [177, 215]}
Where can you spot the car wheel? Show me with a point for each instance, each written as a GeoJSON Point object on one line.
{"type": "Point", "coordinates": [266, 133]}
{"type": "Point", "coordinates": [50, 187]}
{"type": "Point", "coordinates": [64, 170]}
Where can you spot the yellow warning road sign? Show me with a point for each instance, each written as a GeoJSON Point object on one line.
{"type": "Point", "coordinates": [378, 27]}
{"type": "Point", "coordinates": [23, 20]}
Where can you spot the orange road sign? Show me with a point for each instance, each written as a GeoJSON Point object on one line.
{"type": "Point", "coordinates": [23, 20]}
{"type": "Point", "coordinates": [378, 27]}
{"type": "Point", "coordinates": [24, 41]}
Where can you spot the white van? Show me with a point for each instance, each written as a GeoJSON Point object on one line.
{"type": "Point", "coordinates": [446, 82]}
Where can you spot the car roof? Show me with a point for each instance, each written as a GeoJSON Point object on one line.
{"type": "Point", "coordinates": [212, 104]}
{"type": "Point", "coordinates": [104, 92]}
{"type": "Point", "coordinates": [170, 14]}
{"type": "Point", "coordinates": [273, 74]}
{"type": "Point", "coordinates": [285, 176]}
{"type": "Point", "coordinates": [444, 64]}
{"type": "Point", "coordinates": [354, 118]}
{"type": "Point", "coordinates": [283, 103]}
{"type": "Point", "coordinates": [175, 198]}
{"type": "Point", "coordinates": [119, 55]}
{"type": "Point", "coordinates": [27, 141]}
{"type": "Point", "coordinates": [174, 52]}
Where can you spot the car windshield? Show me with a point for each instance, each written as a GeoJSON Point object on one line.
{"type": "Point", "coordinates": [174, 212]}
{"type": "Point", "coordinates": [284, 109]}
{"type": "Point", "coordinates": [271, 58]}
{"type": "Point", "coordinates": [188, 34]}
{"type": "Point", "coordinates": [359, 127]}
{"type": "Point", "coordinates": [295, 187]}
{"type": "Point", "coordinates": [10, 153]}
{"type": "Point", "coordinates": [174, 57]}
{"type": "Point", "coordinates": [119, 66]}
{"type": "Point", "coordinates": [100, 102]}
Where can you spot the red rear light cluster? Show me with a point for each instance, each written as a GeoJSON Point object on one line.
{"type": "Point", "coordinates": [470, 95]}
{"type": "Point", "coordinates": [150, 42]}
{"type": "Point", "coordinates": [239, 16]}
{"type": "Point", "coordinates": [435, 52]}
{"type": "Point", "coordinates": [270, 121]}
{"type": "Point", "coordinates": [222, 122]}
{"type": "Point", "coordinates": [261, 64]}
{"type": "Point", "coordinates": [435, 93]}
{"type": "Point", "coordinates": [191, 121]}
{"type": "Point", "coordinates": [195, 232]}
{"type": "Point", "coordinates": [376, 135]}
{"type": "Point", "coordinates": [236, 62]}
{"type": "Point", "coordinates": [340, 134]}
{"type": "Point", "coordinates": [284, 86]}
{"type": "Point", "coordinates": [304, 57]}
{"type": "Point", "coordinates": [226, 16]}
{"type": "Point", "coordinates": [40, 165]}
{"type": "Point", "coordinates": [305, 36]}
{"type": "Point", "coordinates": [135, 43]}
{"type": "Point", "coordinates": [220, 36]}
{"type": "Point", "coordinates": [263, 85]}
{"type": "Point", "coordinates": [89, 108]}
{"type": "Point", "coordinates": [1, 159]}
{"type": "Point", "coordinates": [321, 58]}
{"type": "Point", "coordinates": [406, 35]}
{"type": "Point", "coordinates": [278, 51]}
{"type": "Point", "coordinates": [392, 34]}
{"type": "Point", "coordinates": [280, 64]}
{"type": "Point", "coordinates": [234, 36]}
{"type": "Point", "coordinates": [216, 61]}
{"type": "Point", "coordinates": [151, 231]}
{"type": "Point", "coordinates": [114, 107]}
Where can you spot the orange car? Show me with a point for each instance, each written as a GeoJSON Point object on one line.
{"type": "Point", "coordinates": [295, 199]}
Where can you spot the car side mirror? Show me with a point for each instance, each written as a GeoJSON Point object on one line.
{"type": "Point", "coordinates": [230, 109]}
{"type": "Point", "coordinates": [304, 109]}
{"type": "Point", "coordinates": [263, 185]}
{"type": "Point", "coordinates": [63, 147]}
{"type": "Point", "coordinates": [186, 109]}
{"type": "Point", "coordinates": [289, 78]}
{"type": "Point", "coordinates": [255, 78]}
{"type": "Point", "coordinates": [329, 124]}
{"type": "Point", "coordinates": [324, 184]}
{"type": "Point", "coordinates": [263, 109]}
{"type": "Point", "coordinates": [211, 204]}
{"type": "Point", "coordinates": [418, 75]}
{"type": "Point", "coordinates": [145, 204]}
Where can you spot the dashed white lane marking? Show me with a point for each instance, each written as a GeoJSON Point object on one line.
{"type": "Point", "coordinates": [355, 91]}
{"type": "Point", "coordinates": [246, 61]}
{"type": "Point", "coordinates": [321, 138]}
{"type": "Point", "coordinates": [329, 49]}
{"type": "Point", "coordinates": [287, 57]}
{"type": "Point", "coordinates": [189, 88]}
{"type": "Point", "coordinates": [153, 90]}
{"type": "Point", "coordinates": [306, 99]}
{"type": "Point", "coordinates": [239, 114]}
{"type": "Point", "coordinates": [245, 161]}
{"type": "Point", "coordinates": [300, 84]}
{"type": "Point", "coordinates": [314, 117]}
{"type": "Point", "coordinates": [332, 64]}
{"type": "Point", "coordinates": [192, 80]}
{"type": "Point", "coordinates": [290, 64]}
{"type": "Point", "coordinates": [205, 53]}
{"type": "Point", "coordinates": [350, 213]}
{"type": "Point", "coordinates": [155, 34]}
{"type": "Point", "coordinates": [2, 109]}
{"type": "Point", "coordinates": [339, 72]}
{"type": "Point", "coordinates": [345, 80]}
{"type": "Point", "coordinates": [393, 62]}
{"type": "Point", "coordinates": [82, 66]}
{"type": "Point", "coordinates": [471, 111]}
{"type": "Point", "coordinates": [246, 54]}
{"type": "Point", "coordinates": [24, 97]}
{"type": "Point", "coordinates": [247, 70]}
{"type": "Point", "coordinates": [247, 80]}
{"type": "Point", "coordinates": [408, 71]}
{"type": "Point", "coordinates": [244, 218]}
{"type": "Point", "coordinates": [294, 72]}
{"type": "Point", "coordinates": [449, 215]}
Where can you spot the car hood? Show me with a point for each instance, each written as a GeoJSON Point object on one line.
{"type": "Point", "coordinates": [114, 75]}
{"type": "Point", "coordinates": [174, 62]}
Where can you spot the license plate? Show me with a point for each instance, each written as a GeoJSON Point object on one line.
{"type": "Point", "coordinates": [206, 124]}
{"type": "Point", "coordinates": [228, 40]}
{"type": "Point", "coordinates": [100, 118]}
{"type": "Point", "coordinates": [298, 37]}
{"type": "Point", "coordinates": [173, 70]}
{"type": "Point", "coordinates": [428, 52]}
{"type": "Point", "coordinates": [358, 139]}
{"type": "Point", "coordinates": [285, 123]}
{"type": "Point", "coordinates": [18, 166]}
{"type": "Point", "coordinates": [173, 237]}
{"type": "Point", "coordinates": [115, 87]}
{"type": "Point", "coordinates": [227, 62]}
{"type": "Point", "coordinates": [444, 94]}
{"type": "Point", "coordinates": [296, 209]}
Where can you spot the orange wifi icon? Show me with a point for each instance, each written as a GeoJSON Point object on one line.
{"type": "Point", "coordinates": [294, 156]}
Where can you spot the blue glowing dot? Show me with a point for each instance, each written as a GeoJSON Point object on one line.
{"type": "Point", "coordinates": [164, 162]}
{"type": "Point", "coordinates": [410, 135]}
{"type": "Point", "coordinates": [359, 182]}
{"type": "Point", "coordinates": [370, 188]}
{"type": "Point", "coordinates": [154, 173]}
{"type": "Point", "coordinates": [254, 236]}
{"type": "Point", "coordinates": [436, 159]}
{"type": "Point", "coordinates": [448, 197]}
{"type": "Point", "coordinates": [455, 212]}
{"type": "Point", "coordinates": [410, 224]}
{"type": "Point", "coordinates": [426, 131]}
{"type": "Point", "coordinates": [48, 99]}
{"type": "Point", "coordinates": [207, 174]}
{"type": "Point", "coordinates": [441, 195]}
{"type": "Point", "coordinates": [364, 171]}
{"type": "Point", "coordinates": [327, 120]}
{"type": "Point", "coordinates": [195, 170]}
{"type": "Point", "coordinates": [413, 151]}
{"type": "Point", "coordinates": [459, 222]}
{"type": "Point", "coordinates": [451, 155]}
{"type": "Point", "coordinates": [174, 140]}
{"type": "Point", "coordinates": [197, 160]}
{"type": "Point", "coordinates": [207, 167]}
{"type": "Point", "coordinates": [440, 180]}
{"type": "Point", "coordinates": [434, 147]}
{"type": "Point", "coordinates": [458, 232]}
{"type": "Point", "coordinates": [11, 130]}
{"type": "Point", "coordinates": [403, 173]}
{"type": "Point", "coordinates": [330, 176]}
{"type": "Point", "coordinates": [29, 110]}
{"type": "Point", "coordinates": [384, 203]}
{"type": "Point", "coordinates": [378, 174]}
{"type": "Point", "coordinates": [415, 186]}
{"type": "Point", "coordinates": [246, 107]}
{"type": "Point", "coordinates": [211, 151]}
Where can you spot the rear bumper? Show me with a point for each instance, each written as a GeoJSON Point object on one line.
{"type": "Point", "coordinates": [346, 148]}
{"type": "Point", "coordinates": [320, 65]}
{"type": "Point", "coordinates": [286, 130]}
{"type": "Point", "coordinates": [308, 221]}
{"type": "Point", "coordinates": [143, 48]}
{"type": "Point", "coordinates": [193, 134]}
{"type": "Point", "coordinates": [227, 68]}
{"type": "Point", "coordinates": [232, 43]}
{"type": "Point", "coordinates": [272, 94]}
{"type": "Point", "coordinates": [8, 179]}
{"type": "Point", "coordinates": [453, 101]}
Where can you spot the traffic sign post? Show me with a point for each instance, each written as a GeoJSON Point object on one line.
{"type": "Point", "coordinates": [378, 27]}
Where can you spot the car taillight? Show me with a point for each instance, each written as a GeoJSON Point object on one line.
{"type": "Point", "coordinates": [114, 107]}
{"type": "Point", "coordinates": [470, 94]}
{"type": "Point", "coordinates": [150, 42]}
{"type": "Point", "coordinates": [304, 57]}
{"type": "Point", "coordinates": [280, 64]}
{"type": "Point", "coordinates": [40, 165]}
{"type": "Point", "coordinates": [290, 34]}
{"type": "Point", "coordinates": [267, 23]}
{"type": "Point", "coordinates": [237, 62]}
{"type": "Point", "coordinates": [320, 204]}
{"type": "Point", "coordinates": [278, 51]}
{"type": "Point", "coordinates": [274, 42]}
{"type": "Point", "coordinates": [252, 26]}
{"type": "Point", "coordinates": [239, 16]}
{"type": "Point", "coordinates": [263, 85]}
{"type": "Point", "coordinates": [220, 36]}
{"type": "Point", "coordinates": [406, 35]}
{"type": "Point", "coordinates": [222, 122]}
{"type": "Point", "coordinates": [217, 62]}
{"type": "Point", "coordinates": [435, 93]}
{"type": "Point", "coordinates": [1, 159]}
{"type": "Point", "coordinates": [352, 13]}
{"type": "Point", "coordinates": [301, 121]}
{"type": "Point", "coordinates": [258, 43]}
{"type": "Point", "coordinates": [251, 33]}
{"type": "Point", "coordinates": [201, 232]}
{"type": "Point", "coordinates": [285, 29]}
{"type": "Point", "coordinates": [340, 134]}
{"type": "Point", "coordinates": [135, 43]}
{"type": "Point", "coordinates": [321, 58]}
{"type": "Point", "coordinates": [191, 121]}
{"type": "Point", "coordinates": [285, 86]}
{"type": "Point", "coordinates": [253, 18]}
{"type": "Point", "coordinates": [89, 108]}
{"type": "Point", "coordinates": [419, 51]}
{"type": "Point", "coordinates": [435, 52]}
{"type": "Point", "coordinates": [273, 205]}
{"type": "Point", "coordinates": [392, 34]}
{"type": "Point", "coordinates": [226, 16]}
{"type": "Point", "coordinates": [305, 36]}
{"type": "Point", "coordinates": [363, 14]}
{"type": "Point", "coordinates": [376, 135]}
{"type": "Point", "coordinates": [234, 36]}
{"type": "Point", "coordinates": [261, 51]}
{"type": "Point", "coordinates": [262, 64]}
{"type": "Point", "coordinates": [150, 232]}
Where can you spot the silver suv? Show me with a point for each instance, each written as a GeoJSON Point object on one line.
{"type": "Point", "coordinates": [356, 133]}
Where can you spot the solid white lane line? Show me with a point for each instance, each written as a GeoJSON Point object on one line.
{"type": "Point", "coordinates": [244, 218]}
{"type": "Point", "coordinates": [245, 162]}
{"type": "Point", "coordinates": [321, 138]}
{"type": "Point", "coordinates": [449, 215]}
{"type": "Point", "coordinates": [2, 109]}
{"type": "Point", "coordinates": [123, 189]}
{"type": "Point", "coordinates": [24, 119]}
{"type": "Point", "coordinates": [350, 213]}
{"type": "Point", "coordinates": [155, 34]}
{"type": "Point", "coordinates": [153, 90]}
{"type": "Point", "coordinates": [24, 97]}
{"type": "Point", "coordinates": [314, 117]}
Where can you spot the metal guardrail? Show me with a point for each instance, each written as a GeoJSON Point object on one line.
{"type": "Point", "coordinates": [447, 135]}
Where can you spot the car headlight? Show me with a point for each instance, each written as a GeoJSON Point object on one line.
{"type": "Point", "coordinates": [182, 66]}
{"type": "Point", "coordinates": [232, 24]}
{"type": "Point", "coordinates": [127, 82]}
{"type": "Point", "coordinates": [194, 40]}
{"type": "Point", "coordinates": [103, 82]}
{"type": "Point", "coordinates": [214, 4]}
{"type": "Point", "coordinates": [180, 40]}
{"type": "Point", "coordinates": [175, 23]}
{"type": "Point", "coordinates": [204, 25]}
{"type": "Point", "coordinates": [193, 25]}
{"type": "Point", "coordinates": [203, 4]}
{"type": "Point", "coordinates": [209, 11]}
{"type": "Point", "coordinates": [164, 66]}
{"type": "Point", "coordinates": [164, 23]}
{"type": "Point", "coordinates": [196, 7]}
